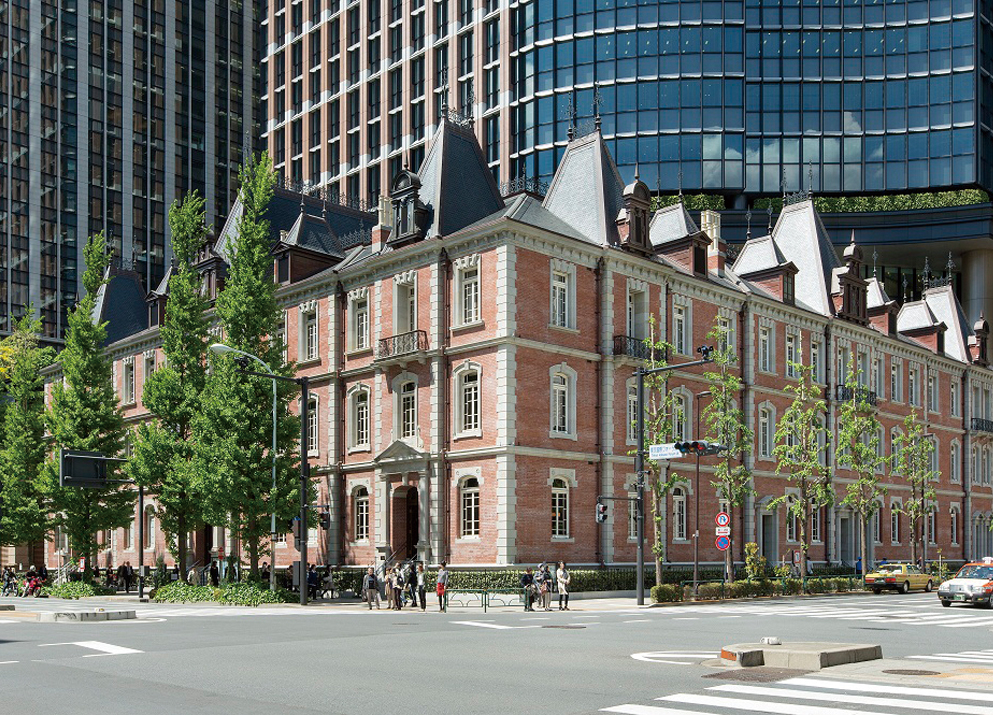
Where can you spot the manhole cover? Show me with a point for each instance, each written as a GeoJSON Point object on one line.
{"type": "Point", "coordinates": [758, 675]}
{"type": "Point", "coordinates": [571, 628]}
{"type": "Point", "coordinates": [911, 672]}
{"type": "Point", "coordinates": [863, 628]}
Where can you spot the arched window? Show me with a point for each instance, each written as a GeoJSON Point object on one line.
{"type": "Point", "coordinates": [361, 510]}
{"type": "Point", "coordinates": [678, 514]}
{"type": "Point", "coordinates": [467, 395]}
{"type": "Point", "coordinates": [877, 527]}
{"type": "Point", "coordinates": [149, 528]}
{"type": "Point", "coordinates": [560, 509]}
{"type": "Point", "coordinates": [408, 410]}
{"type": "Point", "coordinates": [816, 516]}
{"type": "Point", "coordinates": [791, 520]}
{"type": "Point", "coordinates": [680, 415]}
{"type": "Point", "coordinates": [312, 424]}
{"type": "Point", "coordinates": [470, 507]}
{"type": "Point", "coordinates": [359, 418]}
{"type": "Point", "coordinates": [932, 525]}
{"type": "Point", "coordinates": [955, 525]}
{"type": "Point", "coordinates": [632, 414]}
{"type": "Point", "coordinates": [767, 430]}
{"type": "Point", "coordinates": [895, 522]}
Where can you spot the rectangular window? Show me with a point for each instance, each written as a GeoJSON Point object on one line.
{"type": "Point", "coordinates": [129, 389]}
{"type": "Point", "coordinates": [679, 329]}
{"type": "Point", "coordinates": [815, 525]}
{"type": "Point", "coordinates": [766, 429]}
{"type": "Point", "coordinates": [880, 377]}
{"type": "Point", "coordinates": [560, 404]}
{"type": "Point", "coordinates": [360, 419]}
{"type": "Point", "coordinates": [632, 413]}
{"type": "Point", "coordinates": [955, 457]}
{"type": "Point", "coordinates": [469, 295]}
{"type": "Point", "coordinates": [725, 339]}
{"type": "Point", "coordinates": [932, 393]}
{"type": "Point", "coordinates": [765, 349]}
{"type": "Point", "coordinates": [312, 427]}
{"type": "Point", "coordinates": [863, 369]}
{"type": "Point", "coordinates": [408, 410]}
{"type": "Point", "coordinates": [405, 312]}
{"type": "Point", "coordinates": [560, 509]}
{"type": "Point", "coordinates": [894, 524]}
{"type": "Point", "coordinates": [679, 418]}
{"type": "Point", "coordinates": [912, 386]}
{"type": "Point", "coordinates": [815, 361]}
{"type": "Point", "coordinates": [308, 335]}
{"type": "Point", "coordinates": [149, 366]}
{"type": "Point", "coordinates": [360, 323]}
{"type": "Point", "coordinates": [470, 509]}
{"type": "Point", "coordinates": [560, 299]}
{"type": "Point", "coordinates": [470, 402]}
{"type": "Point", "coordinates": [792, 355]}
{"type": "Point", "coordinates": [362, 517]}
{"type": "Point", "coordinates": [953, 394]}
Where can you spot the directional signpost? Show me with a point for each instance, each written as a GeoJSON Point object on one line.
{"type": "Point", "coordinates": [664, 451]}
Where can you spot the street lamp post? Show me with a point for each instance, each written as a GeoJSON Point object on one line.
{"type": "Point", "coordinates": [696, 509]}
{"type": "Point", "coordinates": [221, 349]}
{"type": "Point", "coordinates": [639, 455]}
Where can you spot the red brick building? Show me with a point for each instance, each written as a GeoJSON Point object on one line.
{"type": "Point", "coordinates": [471, 360]}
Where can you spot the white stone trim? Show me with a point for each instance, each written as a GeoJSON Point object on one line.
{"type": "Point", "coordinates": [571, 381]}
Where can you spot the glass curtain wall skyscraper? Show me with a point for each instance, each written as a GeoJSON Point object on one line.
{"type": "Point", "coordinates": [110, 110]}
{"type": "Point", "coordinates": [732, 96]}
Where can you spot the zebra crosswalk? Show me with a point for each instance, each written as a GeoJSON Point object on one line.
{"type": "Point", "coordinates": [967, 657]}
{"type": "Point", "coordinates": [814, 696]}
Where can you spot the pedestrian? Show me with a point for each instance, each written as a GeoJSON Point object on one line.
{"type": "Point", "coordinates": [396, 583]}
{"type": "Point", "coordinates": [43, 573]}
{"type": "Point", "coordinates": [109, 576]}
{"type": "Point", "coordinates": [527, 585]}
{"type": "Point", "coordinates": [412, 585]}
{"type": "Point", "coordinates": [313, 581]}
{"type": "Point", "coordinates": [264, 573]}
{"type": "Point", "coordinates": [442, 585]}
{"type": "Point", "coordinates": [420, 586]}
{"type": "Point", "coordinates": [545, 587]}
{"type": "Point", "coordinates": [371, 588]}
{"type": "Point", "coordinates": [128, 576]}
{"type": "Point", "coordinates": [215, 574]}
{"type": "Point", "coordinates": [563, 578]}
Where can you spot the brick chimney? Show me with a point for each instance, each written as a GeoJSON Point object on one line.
{"type": "Point", "coordinates": [710, 224]}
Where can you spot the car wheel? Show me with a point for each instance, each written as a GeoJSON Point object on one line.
{"type": "Point", "coordinates": [927, 589]}
{"type": "Point", "coordinates": [877, 591]}
{"type": "Point", "coordinates": [905, 587]}
{"type": "Point", "coordinates": [945, 603]}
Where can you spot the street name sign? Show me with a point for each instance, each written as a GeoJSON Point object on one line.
{"type": "Point", "coordinates": [663, 451]}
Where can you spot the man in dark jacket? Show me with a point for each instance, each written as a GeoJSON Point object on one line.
{"type": "Point", "coordinates": [527, 583]}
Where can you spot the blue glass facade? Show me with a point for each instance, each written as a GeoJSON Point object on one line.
{"type": "Point", "coordinates": [733, 96]}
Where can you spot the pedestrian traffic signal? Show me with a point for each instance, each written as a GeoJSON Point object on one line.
{"type": "Point", "coordinates": [325, 520]}
{"type": "Point", "coordinates": [700, 448]}
{"type": "Point", "coordinates": [601, 512]}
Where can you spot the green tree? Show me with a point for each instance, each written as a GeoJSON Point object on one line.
{"type": "Point", "coordinates": [660, 411]}
{"type": "Point", "coordinates": [84, 415]}
{"type": "Point", "coordinates": [860, 450]}
{"type": "Point", "coordinates": [913, 449]}
{"type": "Point", "coordinates": [726, 425]}
{"type": "Point", "coordinates": [801, 440]}
{"type": "Point", "coordinates": [22, 510]}
{"type": "Point", "coordinates": [163, 460]}
{"type": "Point", "coordinates": [233, 429]}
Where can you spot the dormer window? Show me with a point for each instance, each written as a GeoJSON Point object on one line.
{"type": "Point", "coordinates": [409, 214]}
{"type": "Point", "coordinates": [283, 268]}
{"type": "Point", "coordinates": [699, 260]}
{"type": "Point", "coordinates": [789, 288]}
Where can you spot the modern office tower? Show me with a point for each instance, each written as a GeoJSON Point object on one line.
{"type": "Point", "coordinates": [734, 97]}
{"type": "Point", "coordinates": [110, 110]}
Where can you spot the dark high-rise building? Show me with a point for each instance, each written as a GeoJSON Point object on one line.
{"type": "Point", "coordinates": [109, 111]}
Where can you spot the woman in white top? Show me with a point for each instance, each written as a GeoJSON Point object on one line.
{"type": "Point", "coordinates": [562, 576]}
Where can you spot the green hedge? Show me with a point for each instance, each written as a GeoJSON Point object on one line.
{"type": "Point", "coordinates": [234, 594]}
{"type": "Point", "coordinates": [667, 593]}
{"type": "Point", "coordinates": [715, 590]}
{"type": "Point", "coordinates": [77, 589]}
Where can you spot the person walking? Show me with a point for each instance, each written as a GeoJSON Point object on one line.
{"type": "Point", "coordinates": [421, 587]}
{"type": "Point", "coordinates": [442, 585]}
{"type": "Point", "coordinates": [313, 582]}
{"type": "Point", "coordinates": [527, 585]}
{"type": "Point", "coordinates": [412, 585]}
{"type": "Point", "coordinates": [215, 575]}
{"type": "Point", "coordinates": [545, 587]}
{"type": "Point", "coordinates": [396, 582]}
{"type": "Point", "coordinates": [563, 578]}
{"type": "Point", "coordinates": [370, 588]}
{"type": "Point", "coordinates": [128, 576]}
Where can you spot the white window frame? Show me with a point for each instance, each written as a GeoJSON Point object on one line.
{"type": "Point", "coordinates": [792, 353]}
{"type": "Point", "coordinates": [955, 462]}
{"type": "Point", "coordinates": [912, 386]}
{"type": "Point", "coordinates": [631, 412]}
{"type": "Point", "coordinates": [816, 524]}
{"type": "Point", "coordinates": [636, 309]}
{"type": "Point", "coordinates": [682, 325]}
{"type": "Point", "coordinates": [931, 524]}
{"type": "Point", "coordinates": [468, 294]}
{"type": "Point", "coordinates": [954, 396]}
{"type": "Point", "coordinates": [128, 388]}
{"type": "Point", "coordinates": [150, 518]}
{"type": "Point", "coordinates": [682, 415]}
{"type": "Point", "coordinates": [405, 407]}
{"type": "Point", "coordinates": [766, 442]}
{"type": "Point", "coordinates": [932, 391]}
{"type": "Point", "coordinates": [896, 509]}
{"type": "Point", "coordinates": [726, 324]}
{"type": "Point", "coordinates": [469, 507]}
{"type": "Point", "coordinates": [148, 365]}
{"type": "Point", "coordinates": [879, 375]}
{"type": "Point", "coordinates": [816, 360]}
{"type": "Point", "coordinates": [792, 521]}
{"type": "Point", "coordinates": [468, 424]}
{"type": "Point", "coordinates": [361, 514]}
{"type": "Point", "coordinates": [564, 428]}
{"type": "Point", "coordinates": [356, 418]}
{"type": "Point", "coordinates": [313, 425]}
{"type": "Point", "coordinates": [561, 483]}
{"type": "Point", "coordinates": [896, 380]}
{"type": "Point", "coordinates": [308, 332]}
{"type": "Point", "coordinates": [877, 526]}
{"type": "Point", "coordinates": [955, 519]}
{"type": "Point", "coordinates": [562, 294]}
{"type": "Point", "coordinates": [767, 362]}
{"type": "Point", "coordinates": [405, 302]}
{"type": "Point", "coordinates": [862, 365]}
{"type": "Point", "coordinates": [679, 517]}
{"type": "Point", "coordinates": [358, 321]}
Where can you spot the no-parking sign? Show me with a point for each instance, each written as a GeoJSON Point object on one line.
{"type": "Point", "coordinates": [723, 519]}
{"type": "Point", "coordinates": [723, 543]}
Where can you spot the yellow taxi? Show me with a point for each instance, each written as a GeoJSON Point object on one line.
{"type": "Point", "coordinates": [898, 577]}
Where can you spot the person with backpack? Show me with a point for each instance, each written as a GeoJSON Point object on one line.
{"type": "Point", "coordinates": [442, 585]}
{"type": "Point", "coordinates": [370, 587]}
{"type": "Point", "coordinates": [527, 585]}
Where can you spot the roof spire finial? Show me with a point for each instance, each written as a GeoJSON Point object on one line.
{"type": "Point", "coordinates": [906, 296]}
{"type": "Point", "coordinates": [597, 101]}
{"type": "Point", "coordinates": [303, 195]}
{"type": "Point", "coordinates": [658, 185]}
{"type": "Point", "coordinates": [949, 267]}
{"type": "Point", "coordinates": [874, 257]}
{"type": "Point", "coordinates": [769, 211]}
{"type": "Point", "coordinates": [926, 275]}
{"type": "Point", "coordinates": [782, 185]}
{"type": "Point", "coordinates": [444, 92]}
{"type": "Point", "coordinates": [679, 178]}
{"type": "Point", "coordinates": [810, 180]}
{"type": "Point", "coordinates": [748, 224]}
{"type": "Point", "coordinates": [570, 112]}
{"type": "Point", "coordinates": [852, 240]}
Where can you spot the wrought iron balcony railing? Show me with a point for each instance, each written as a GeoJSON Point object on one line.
{"type": "Point", "coordinates": [415, 341]}
{"type": "Point", "coordinates": [982, 425]}
{"type": "Point", "coordinates": [843, 393]}
{"type": "Point", "coordinates": [632, 347]}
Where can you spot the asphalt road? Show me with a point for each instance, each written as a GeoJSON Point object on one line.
{"type": "Point", "coordinates": [345, 659]}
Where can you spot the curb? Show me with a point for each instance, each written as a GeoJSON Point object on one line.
{"type": "Point", "coordinates": [759, 598]}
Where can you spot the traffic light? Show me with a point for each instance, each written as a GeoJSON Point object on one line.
{"type": "Point", "coordinates": [295, 528]}
{"type": "Point", "coordinates": [700, 448]}
{"type": "Point", "coordinates": [325, 520]}
{"type": "Point", "coordinates": [601, 512]}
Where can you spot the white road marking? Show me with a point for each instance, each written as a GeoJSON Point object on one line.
{"type": "Point", "coordinates": [104, 648]}
{"type": "Point", "coordinates": [759, 706]}
{"type": "Point", "coordinates": [647, 710]}
{"type": "Point", "coordinates": [671, 657]}
{"type": "Point", "coordinates": [887, 689]}
{"type": "Point", "coordinates": [639, 620]}
{"type": "Point", "coordinates": [8, 662]}
{"type": "Point", "coordinates": [686, 619]}
{"type": "Point", "coordinates": [850, 699]}
{"type": "Point", "coordinates": [496, 626]}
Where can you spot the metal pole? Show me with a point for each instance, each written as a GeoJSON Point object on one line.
{"type": "Point", "coordinates": [141, 542]}
{"type": "Point", "coordinates": [639, 466]}
{"type": "Point", "coordinates": [696, 512]}
{"type": "Point", "coordinates": [272, 497]}
{"type": "Point", "coordinates": [304, 483]}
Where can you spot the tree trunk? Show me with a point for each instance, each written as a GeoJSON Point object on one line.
{"type": "Point", "coordinates": [658, 534]}
{"type": "Point", "coordinates": [913, 541]}
{"type": "Point", "coordinates": [864, 525]}
{"type": "Point", "coordinates": [181, 547]}
{"type": "Point", "coordinates": [728, 558]}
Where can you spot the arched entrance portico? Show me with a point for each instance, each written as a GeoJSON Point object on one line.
{"type": "Point", "coordinates": [405, 523]}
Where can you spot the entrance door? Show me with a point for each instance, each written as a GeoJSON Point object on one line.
{"type": "Point", "coordinates": [845, 534]}
{"type": "Point", "coordinates": [413, 523]}
{"type": "Point", "coordinates": [404, 531]}
{"type": "Point", "coordinates": [770, 537]}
